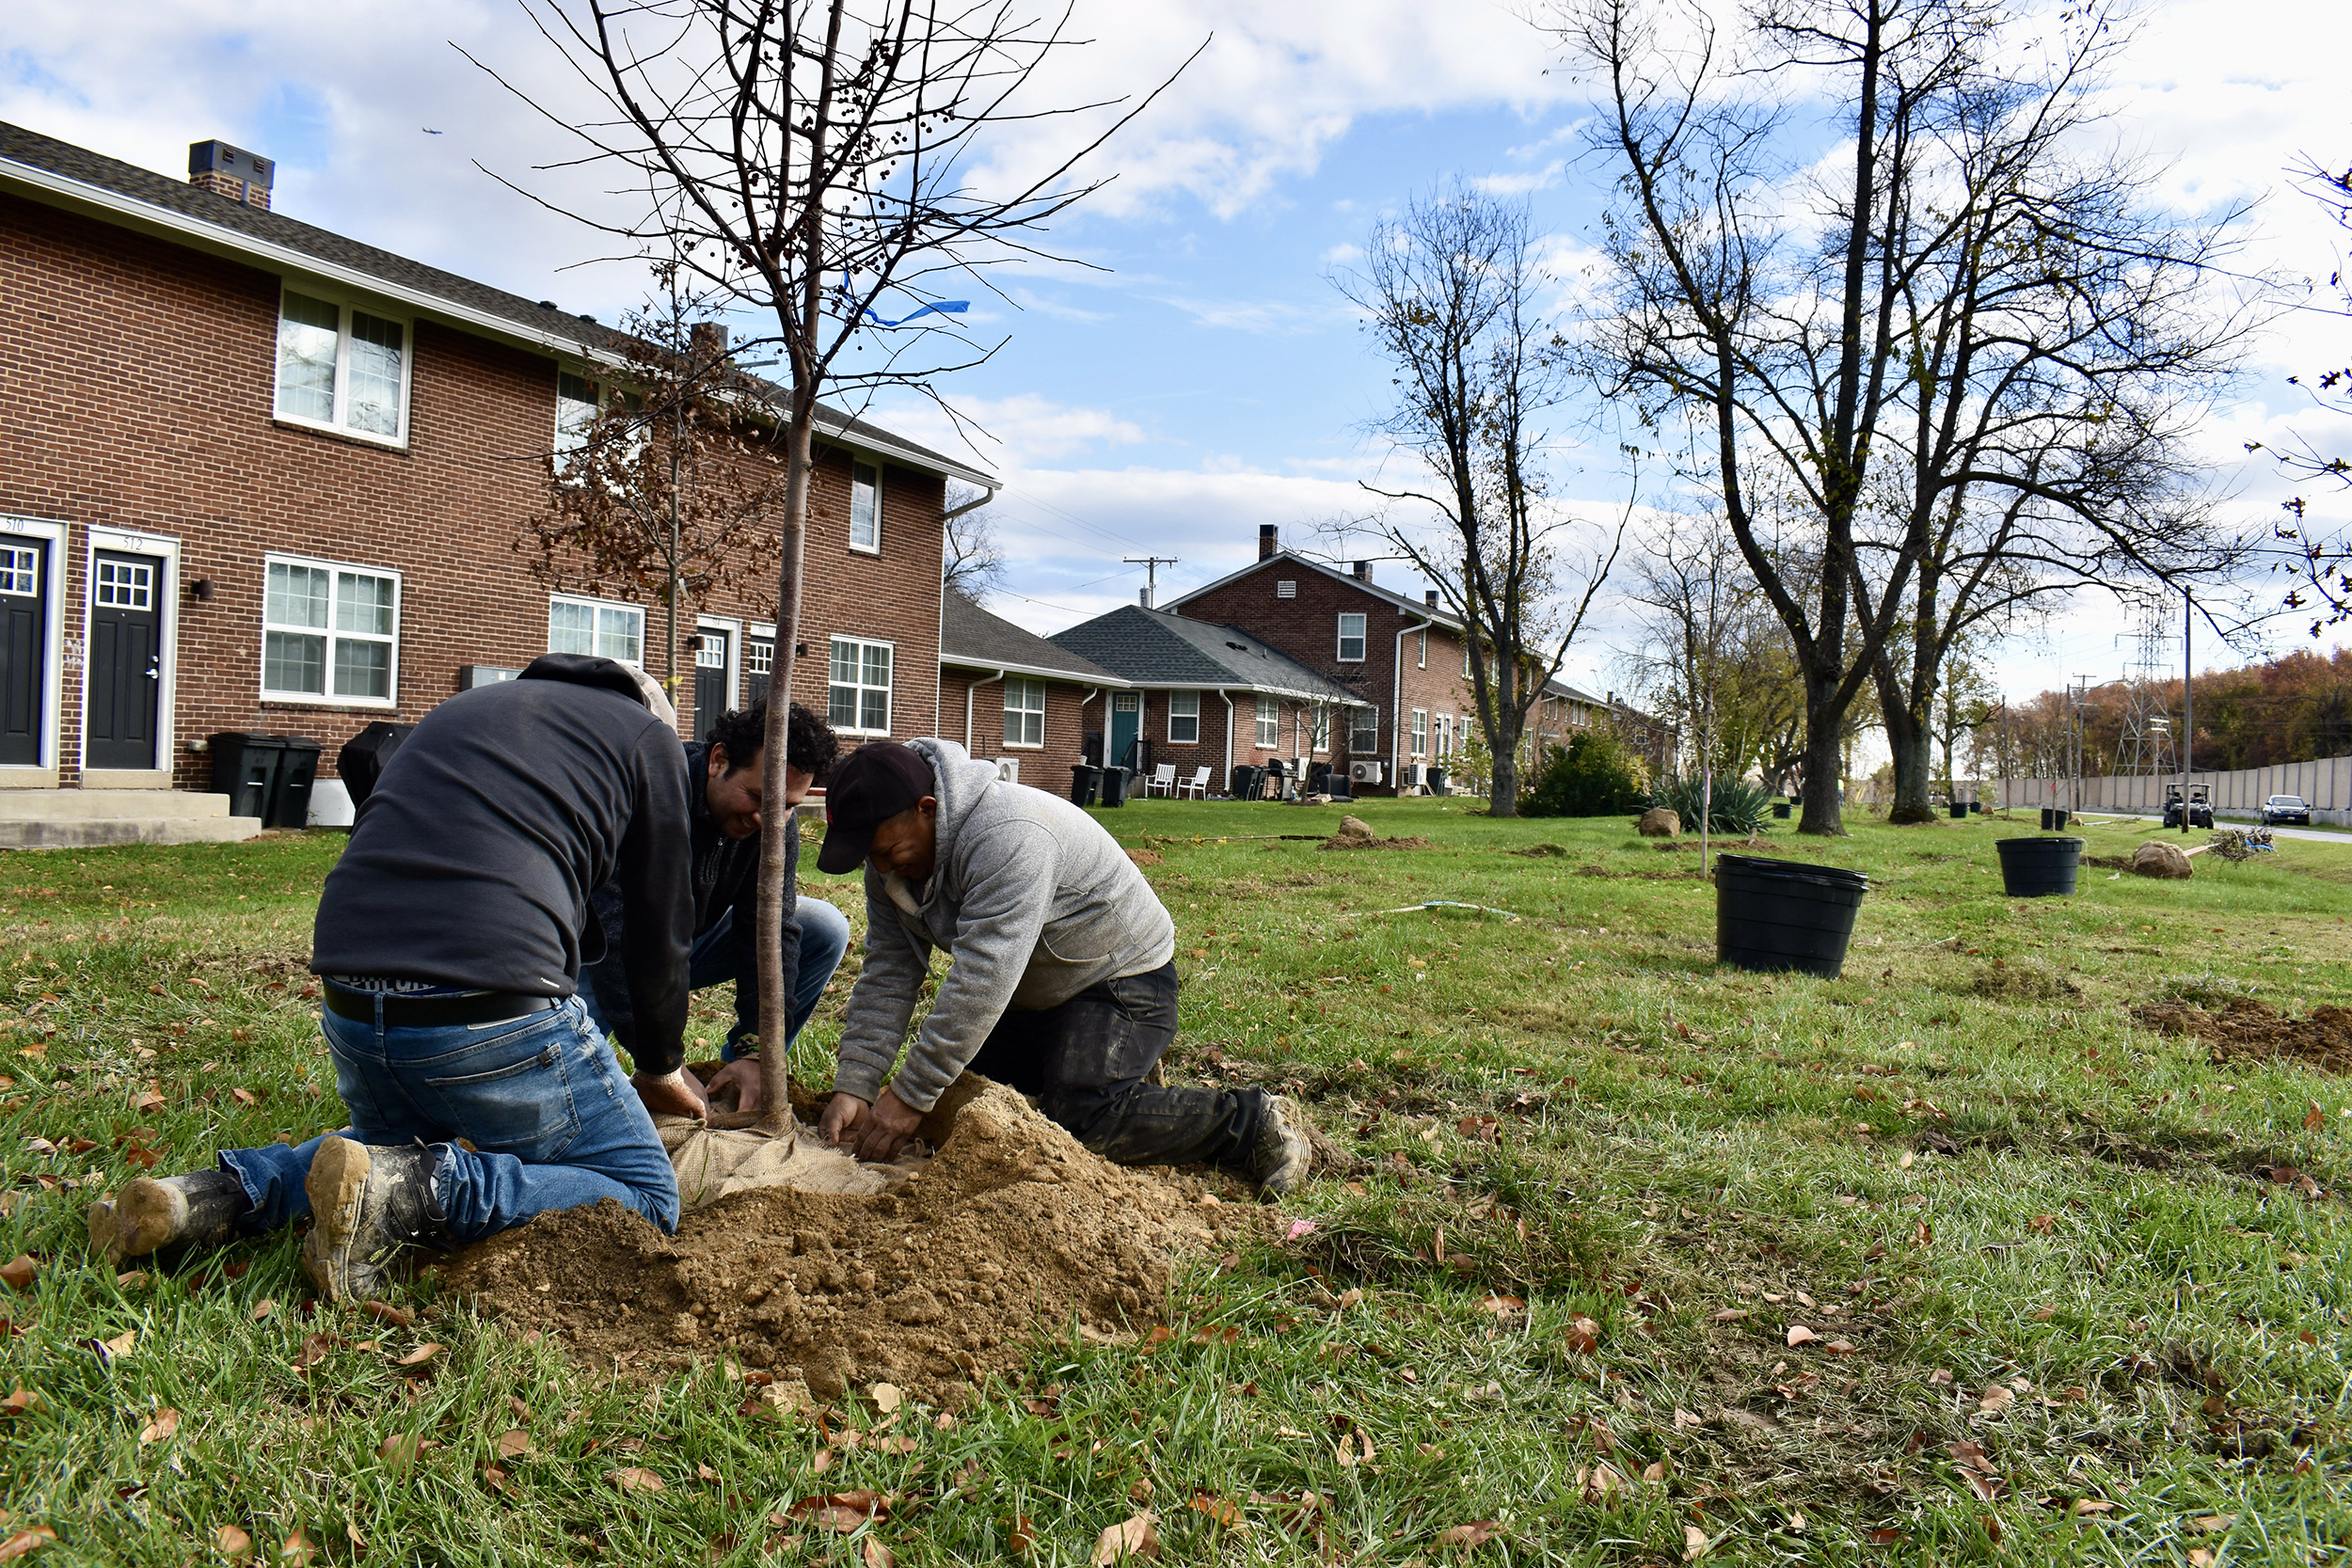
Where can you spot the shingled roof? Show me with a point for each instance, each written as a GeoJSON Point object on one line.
{"type": "Point", "coordinates": [972, 639]}
{"type": "Point", "coordinates": [1152, 647]}
{"type": "Point", "coordinates": [60, 173]}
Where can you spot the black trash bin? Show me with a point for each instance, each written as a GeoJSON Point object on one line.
{"type": "Point", "coordinates": [1437, 781]}
{"type": "Point", "coordinates": [290, 799]}
{"type": "Point", "coordinates": [1781, 809]}
{"type": "Point", "coordinates": [1960, 809]}
{"type": "Point", "coordinates": [1085, 780]}
{"type": "Point", "coordinates": [1115, 787]}
{"type": "Point", "coordinates": [2053, 819]}
{"type": "Point", "coordinates": [1976, 808]}
{"type": "Point", "coordinates": [245, 768]}
{"type": "Point", "coordinates": [361, 761]}
{"type": "Point", "coordinates": [1244, 783]}
{"type": "Point", "coordinates": [1772, 915]}
{"type": "Point", "coordinates": [2039, 867]}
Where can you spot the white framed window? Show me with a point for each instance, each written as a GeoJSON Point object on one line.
{"type": "Point", "coordinates": [1422, 660]}
{"type": "Point", "coordinates": [20, 570]}
{"type": "Point", "coordinates": [1351, 639]}
{"type": "Point", "coordinates": [865, 508]}
{"type": "Point", "coordinates": [578, 401]}
{"type": "Point", "coordinates": [342, 368]}
{"type": "Point", "coordinates": [1319, 728]}
{"type": "Point", "coordinates": [598, 627]}
{"type": "Point", "coordinates": [1286, 588]}
{"type": "Point", "coordinates": [1420, 731]}
{"type": "Point", "coordinates": [1269, 725]}
{"type": "Point", "coordinates": [1445, 736]}
{"type": "Point", "coordinates": [1364, 736]}
{"type": "Point", "coordinates": [1024, 712]}
{"type": "Point", "coordinates": [858, 694]}
{"type": "Point", "coordinates": [329, 633]}
{"type": "Point", "coordinates": [1184, 718]}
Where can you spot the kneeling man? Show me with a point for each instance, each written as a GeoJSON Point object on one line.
{"type": "Point", "coordinates": [1062, 983]}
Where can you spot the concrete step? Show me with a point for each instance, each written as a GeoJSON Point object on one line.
{"type": "Point", "coordinates": [87, 832]}
{"type": "Point", "coordinates": [68, 805]}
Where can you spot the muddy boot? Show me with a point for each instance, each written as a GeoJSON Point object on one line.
{"type": "Point", "coordinates": [197, 1209]}
{"type": "Point", "coordinates": [1280, 1161]}
{"type": "Point", "coordinates": [366, 1203]}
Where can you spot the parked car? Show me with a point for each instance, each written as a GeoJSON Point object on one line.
{"type": "Point", "coordinates": [2286, 808]}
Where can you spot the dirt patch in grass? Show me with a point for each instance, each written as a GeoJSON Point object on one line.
{"type": "Point", "coordinates": [2026, 980]}
{"type": "Point", "coordinates": [1355, 833]}
{"type": "Point", "coordinates": [2250, 1031]}
{"type": "Point", "coordinates": [1012, 1228]}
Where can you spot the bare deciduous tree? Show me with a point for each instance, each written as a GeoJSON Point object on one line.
{"type": "Point", "coordinates": [1449, 293]}
{"type": "Point", "coordinates": [973, 561]}
{"type": "Point", "coordinates": [818, 166]}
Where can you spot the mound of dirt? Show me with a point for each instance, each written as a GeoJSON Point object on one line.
{"type": "Point", "coordinates": [1355, 833]}
{"type": "Point", "coordinates": [1010, 1228]}
{"type": "Point", "coordinates": [2247, 1030]}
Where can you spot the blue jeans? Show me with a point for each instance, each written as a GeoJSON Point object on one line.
{"type": "Point", "coordinates": [824, 937]}
{"type": "Point", "coordinates": [553, 1122]}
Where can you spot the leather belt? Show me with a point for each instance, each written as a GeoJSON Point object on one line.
{"type": "Point", "coordinates": [434, 1012]}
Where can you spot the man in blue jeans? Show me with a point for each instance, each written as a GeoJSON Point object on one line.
{"type": "Point", "coordinates": [725, 837]}
{"type": "Point", "coordinates": [449, 943]}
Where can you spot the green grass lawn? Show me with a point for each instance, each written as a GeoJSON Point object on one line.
{"type": "Point", "coordinates": [2060, 1312]}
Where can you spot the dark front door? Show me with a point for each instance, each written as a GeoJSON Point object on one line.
{"type": "Point", "coordinates": [759, 657]}
{"type": "Point", "coordinates": [24, 645]}
{"type": "Point", "coordinates": [710, 679]}
{"type": "Point", "coordinates": [126, 661]}
{"type": "Point", "coordinates": [1126, 723]}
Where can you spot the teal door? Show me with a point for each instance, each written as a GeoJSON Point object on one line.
{"type": "Point", "coordinates": [1127, 722]}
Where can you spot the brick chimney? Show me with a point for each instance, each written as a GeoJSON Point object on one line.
{"type": "Point", "coordinates": [1429, 597]}
{"type": "Point", "coordinates": [232, 172]}
{"type": "Point", "coordinates": [1269, 541]}
{"type": "Point", "coordinates": [1363, 571]}
{"type": "Point", "coordinates": [708, 341]}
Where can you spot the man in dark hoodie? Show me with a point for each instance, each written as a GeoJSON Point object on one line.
{"type": "Point", "coordinates": [724, 836]}
{"type": "Point", "coordinates": [450, 940]}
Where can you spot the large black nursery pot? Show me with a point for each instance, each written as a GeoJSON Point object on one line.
{"type": "Point", "coordinates": [2039, 867]}
{"type": "Point", "coordinates": [1775, 915]}
{"type": "Point", "coordinates": [1781, 809]}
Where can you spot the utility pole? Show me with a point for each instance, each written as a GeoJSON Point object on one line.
{"type": "Point", "coordinates": [2188, 699]}
{"type": "Point", "coordinates": [1151, 564]}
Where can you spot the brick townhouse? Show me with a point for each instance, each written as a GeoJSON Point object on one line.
{"type": "Point", "coordinates": [1406, 660]}
{"type": "Point", "coordinates": [1013, 696]}
{"type": "Point", "coordinates": [256, 476]}
{"type": "Point", "coordinates": [1209, 695]}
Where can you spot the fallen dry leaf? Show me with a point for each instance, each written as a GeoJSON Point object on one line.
{"type": "Point", "coordinates": [1503, 1306]}
{"type": "Point", "coordinates": [636, 1478]}
{"type": "Point", "coordinates": [1584, 1336]}
{"type": "Point", "coordinates": [298, 1550]}
{"type": "Point", "coordinates": [2199, 1558]}
{"type": "Point", "coordinates": [1799, 1335]}
{"type": "Point", "coordinates": [888, 1397]}
{"type": "Point", "coordinates": [1221, 1511]}
{"type": "Point", "coordinates": [1476, 1533]}
{"type": "Point", "coordinates": [514, 1444]}
{"type": "Point", "coordinates": [2212, 1524]}
{"type": "Point", "coordinates": [1126, 1540]}
{"type": "Point", "coordinates": [842, 1511]}
{"type": "Point", "coordinates": [2314, 1119]}
{"type": "Point", "coordinates": [243, 1097]}
{"type": "Point", "coordinates": [263, 1310]}
{"type": "Point", "coordinates": [29, 1540]}
{"type": "Point", "coordinates": [19, 1402]}
{"type": "Point", "coordinates": [877, 1555]}
{"type": "Point", "coordinates": [1021, 1535]}
{"type": "Point", "coordinates": [1694, 1543]}
{"type": "Point", "coordinates": [123, 1344]}
{"type": "Point", "coordinates": [166, 1421]}
{"type": "Point", "coordinates": [2090, 1505]}
{"type": "Point", "coordinates": [1996, 1398]}
{"type": "Point", "coordinates": [18, 1272]}
{"type": "Point", "coordinates": [384, 1311]}
{"type": "Point", "coordinates": [398, 1453]}
{"type": "Point", "coordinates": [419, 1356]}
{"type": "Point", "coordinates": [1731, 1314]}
{"type": "Point", "coordinates": [231, 1542]}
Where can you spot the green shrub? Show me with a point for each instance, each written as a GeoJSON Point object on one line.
{"type": "Point", "coordinates": [1591, 776]}
{"type": "Point", "coordinates": [1739, 807]}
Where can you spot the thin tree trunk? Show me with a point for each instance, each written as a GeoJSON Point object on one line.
{"type": "Point", "coordinates": [776, 827]}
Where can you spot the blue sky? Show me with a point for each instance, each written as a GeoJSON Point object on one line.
{"type": "Point", "coordinates": [1211, 379]}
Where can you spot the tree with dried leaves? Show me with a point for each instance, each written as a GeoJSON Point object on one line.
{"type": "Point", "coordinates": [973, 563]}
{"type": "Point", "coordinates": [1450, 293]}
{"type": "Point", "coordinates": [816, 166]}
{"type": "Point", "coordinates": [2312, 551]}
{"type": "Point", "coordinates": [663, 481]}
{"type": "Point", "coordinates": [1952, 297]}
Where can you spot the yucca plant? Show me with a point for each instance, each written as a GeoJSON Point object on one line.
{"type": "Point", "coordinates": [1739, 808]}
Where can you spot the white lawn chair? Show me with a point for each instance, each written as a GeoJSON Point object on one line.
{"type": "Point", "coordinates": [1163, 779]}
{"type": "Point", "coordinates": [1197, 785]}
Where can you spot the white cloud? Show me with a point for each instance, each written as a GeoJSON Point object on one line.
{"type": "Point", "coordinates": [1522, 182]}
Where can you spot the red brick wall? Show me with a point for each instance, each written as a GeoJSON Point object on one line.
{"type": "Point", "coordinates": [136, 388]}
{"type": "Point", "coordinates": [1307, 629]}
{"type": "Point", "coordinates": [1068, 716]}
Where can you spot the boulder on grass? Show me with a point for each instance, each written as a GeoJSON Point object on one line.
{"type": "Point", "coordinates": [1658, 822]}
{"type": "Point", "coordinates": [1354, 833]}
{"type": "Point", "coordinates": [2156, 857]}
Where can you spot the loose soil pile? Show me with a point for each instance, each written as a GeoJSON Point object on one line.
{"type": "Point", "coordinates": [1011, 1227]}
{"type": "Point", "coordinates": [1355, 833]}
{"type": "Point", "coordinates": [2247, 1030]}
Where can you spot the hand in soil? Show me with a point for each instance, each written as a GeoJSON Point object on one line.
{"type": "Point", "coordinates": [742, 1076]}
{"type": "Point", "coordinates": [672, 1094]}
{"type": "Point", "coordinates": [889, 1124]}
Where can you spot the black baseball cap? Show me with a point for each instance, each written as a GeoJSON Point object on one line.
{"type": "Point", "coordinates": [868, 788]}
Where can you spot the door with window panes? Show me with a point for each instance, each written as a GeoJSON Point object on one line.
{"type": "Point", "coordinates": [710, 678]}
{"type": "Point", "coordinates": [23, 646]}
{"type": "Point", "coordinates": [759, 660]}
{"type": "Point", "coordinates": [126, 661]}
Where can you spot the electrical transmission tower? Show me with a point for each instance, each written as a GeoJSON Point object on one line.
{"type": "Point", "coordinates": [2148, 746]}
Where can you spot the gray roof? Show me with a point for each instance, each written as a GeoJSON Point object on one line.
{"type": "Point", "coordinates": [971, 637]}
{"type": "Point", "coordinates": [125, 193]}
{"type": "Point", "coordinates": [1154, 647]}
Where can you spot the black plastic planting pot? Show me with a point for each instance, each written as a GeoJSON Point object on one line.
{"type": "Point", "coordinates": [1775, 915]}
{"type": "Point", "coordinates": [2039, 867]}
{"type": "Point", "coordinates": [1780, 810]}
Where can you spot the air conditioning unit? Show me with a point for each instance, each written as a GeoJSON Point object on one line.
{"type": "Point", "coordinates": [1364, 773]}
{"type": "Point", "coordinates": [1008, 770]}
{"type": "Point", "coordinates": [1417, 776]}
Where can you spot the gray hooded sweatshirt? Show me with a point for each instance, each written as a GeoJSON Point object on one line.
{"type": "Point", "coordinates": [1033, 901]}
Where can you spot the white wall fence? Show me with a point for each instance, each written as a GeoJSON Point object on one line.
{"type": "Point", "coordinates": [2326, 784]}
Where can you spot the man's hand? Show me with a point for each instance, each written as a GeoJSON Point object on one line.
{"type": "Point", "coordinates": [883, 1128]}
{"type": "Point", "coordinates": [672, 1094]}
{"type": "Point", "coordinates": [842, 1113]}
{"type": "Point", "coordinates": [743, 1076]}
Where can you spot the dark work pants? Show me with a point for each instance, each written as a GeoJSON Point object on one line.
{"type": "Point", "coordinates": [1085, 1062]}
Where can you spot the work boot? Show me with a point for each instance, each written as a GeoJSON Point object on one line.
{"type": "Point", "coordinates": [1280, 1161]}
{"type": "Point", "coordinates": [197, 1209]}
{"type": "Point", "coordinates": [366, 1204]}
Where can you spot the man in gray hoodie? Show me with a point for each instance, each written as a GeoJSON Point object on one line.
{"type": "Point", "coordinates": [1062, 974]}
